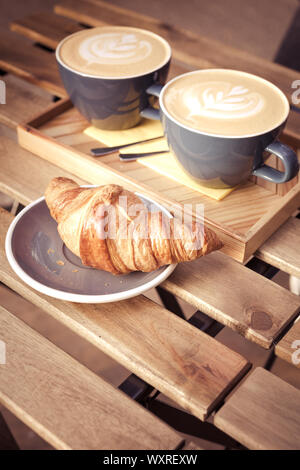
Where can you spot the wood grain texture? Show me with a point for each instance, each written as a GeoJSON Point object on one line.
{"type": "Point", "coordinates": [25, 176]}
{"type": "Point", "coordinates": [243, 220]}
{"type": "Point", "coordinates": [272, 220]}
{"type": "Point", "coordinates": [23, 101]}
{"type": "Point", "coordinates": [228, 25]}
{"type": "Point", "coordinates": [282, 248]}
{"type": "Point", "coordinates": [263, 414]}
{"type": "Point", "coordinates": [45, 28]}
{"type": "Point", "coordinates": [66, 404]}
{"type": "Point", "coordinates": [234, 295]}
{"type": "Point", "coordinates": [8, 132]}
{"type": "Point", "coordinates": [20, 57]}
{"type": "Point", "coordinates": [288, 347]}
{"type": "Point", "coordinates": [191, 368]}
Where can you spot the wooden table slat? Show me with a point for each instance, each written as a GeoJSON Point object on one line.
{"type": "Point", "coordinates": [234, 295]}
{"type": "Point", "coordinates": [20, 57]}
{"type": "Point", "coordinates": [23, 101]}
{"type": "Point", "coordinates": [263, 414]}
{"type": "Point", "coordinates": [46, 28]}
{"type": "Point", "coordinates": [25, 176]}
{"type": "Point", "coordinates": [185, 364]}
{"type": "Point", "coordinates": [65, 403]}
{"type": "Point", "coordinates": [282, 248]}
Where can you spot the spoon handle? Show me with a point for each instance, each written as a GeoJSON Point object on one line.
{"type": "Point", "coordinates": [97, 152]}
{"type": "Point", "coordinates": [129, 157]}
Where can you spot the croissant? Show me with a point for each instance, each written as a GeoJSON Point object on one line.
{"type": "Point", "coordinates": [110, 228]}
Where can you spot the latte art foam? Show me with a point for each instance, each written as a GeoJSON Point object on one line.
{"type": "Point", "coordinates": [225, 102]}
{"type": "Point", "coordinates": [114, 47]}
{"type": "Point", "coordinates": [221, 100]}
{"type": "Point", "coordinates": [114, 51]}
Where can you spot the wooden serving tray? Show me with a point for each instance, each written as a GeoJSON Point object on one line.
{"type": "Point", "coordinates": [243, 220]}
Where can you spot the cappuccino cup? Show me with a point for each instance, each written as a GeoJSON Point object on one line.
{"type": "Point", "coordinates": [222, 125]}
{"type": "Point", "coordinates": [107, 70]}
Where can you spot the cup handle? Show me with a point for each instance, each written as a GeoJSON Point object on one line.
{"type": "Point", "coordinates": [289, 160]}
{"type": "Point", "coordinates": [150, 112]}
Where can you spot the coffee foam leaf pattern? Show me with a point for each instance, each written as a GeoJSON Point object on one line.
{"type": "Point", "coordinates": [113, 52]}
{"type": "Point", "coordinates": [226, 103]}
{"type": "Point", "coordinates": [220, 100]}
{"type": "Point", "coordinates": [116, 47]}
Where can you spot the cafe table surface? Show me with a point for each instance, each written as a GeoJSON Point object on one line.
{"type": "Point", "coordinates": [164, 352]}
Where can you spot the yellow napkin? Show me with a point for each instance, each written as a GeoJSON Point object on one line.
{"type": "Point", "coordinates": [165, 164]}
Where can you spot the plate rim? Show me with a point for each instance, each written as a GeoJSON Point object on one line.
{"type": "Point", "coordinates": [69, 296]}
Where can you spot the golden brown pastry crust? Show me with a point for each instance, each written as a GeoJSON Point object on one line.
{"type": "Point", "coordinates": [84, 217]}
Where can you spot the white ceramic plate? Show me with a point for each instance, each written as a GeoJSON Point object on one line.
{"type": "Point", "coordinates": [38, 256]}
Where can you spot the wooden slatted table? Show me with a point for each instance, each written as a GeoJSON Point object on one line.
{"type": "Point", "coordinates": [263, 414]}
{"type": "Point", "coordinates": [18, 94]}
{"type": "Point", "coordinates": [68, 405]}
{"type": "Point", "coordinates": [282, 248]}
{"type": "Point", "coordinates": [170, 354]}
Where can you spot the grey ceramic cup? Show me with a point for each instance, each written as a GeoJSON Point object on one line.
{"type": "Point", "coordinates": [111, 103]}
{"type": "Point", "coordinates": [222, 162]}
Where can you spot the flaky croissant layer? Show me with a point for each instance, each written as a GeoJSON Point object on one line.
{"type": "Point", "coordinates": [110, 228]}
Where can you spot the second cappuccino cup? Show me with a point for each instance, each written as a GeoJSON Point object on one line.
{"type": "Point", "coordinates": [222, 126]}
{"type": "Point", "coordinates": [107, 70]}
